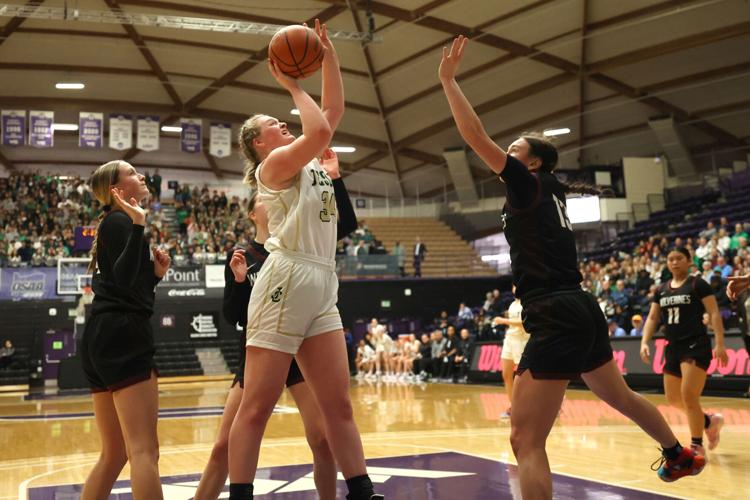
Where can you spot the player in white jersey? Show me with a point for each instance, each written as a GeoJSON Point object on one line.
{"type": "Point", "coordinates": [513, 345]}
{"type": "Point", "coordinates": [292, 310]}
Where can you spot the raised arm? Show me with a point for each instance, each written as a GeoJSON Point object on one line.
{"type": "Point", "coordinates": [467, 121]}
{"type": "Point", "coordinates": [346, 222]}
{"type": "Point", "coordinates": [284, 163]}
{"type": "Point", "coordinates": [332, 92]}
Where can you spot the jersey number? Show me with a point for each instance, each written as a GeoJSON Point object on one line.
{"type": "Point", "coordinates": [329, 206]}
{"type": "Point", "coordinates": [673, 316]}
{"type": "Point", "coordinates": [563, 213]}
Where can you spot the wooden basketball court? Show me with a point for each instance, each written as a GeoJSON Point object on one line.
{"type": "Point", "coordinates": [429, 441]}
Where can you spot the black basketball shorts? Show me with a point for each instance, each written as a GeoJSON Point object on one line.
{"type": "Point", "coordinates": [569, 336]}
{"type": "Point", "coordinates": [697, 349]}
{"type": "Point", "coordinates": [117, 350]}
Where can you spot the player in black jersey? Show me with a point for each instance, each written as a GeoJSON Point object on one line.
{"type": "Point", "coordinates": [569, 336]}
{"type": "Point", "coordinates": [680, 304]}
{"type": "Point", "coordinates": [242, 268]}
{"type": "Point", "coordinates": [737, 291]}
{"type": "Point", "coordinates": [117, 346]}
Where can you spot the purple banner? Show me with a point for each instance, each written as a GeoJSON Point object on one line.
{"type": "Point", "coordinates": [84, 238]}
{"type": "Point", "coordinates": [14, 127]}
{"type": "Point", "coordinates": [40, 129]}
{"type": "Point", "coordinates": [90, 129]}
{"type": "Point", "coordinates": [191, 137]}
{"type": "Point", "coordinates": [28, 284]}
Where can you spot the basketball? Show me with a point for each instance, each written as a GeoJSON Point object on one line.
{"type": "Point", "coordinates": [297, 51]}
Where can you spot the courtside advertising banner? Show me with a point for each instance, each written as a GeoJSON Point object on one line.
{"type": "Point", "coordinates": [120, 132]}
{"type": "Point", "coordinates": [221, 140]}
{"type": "Point", "coordinates": [14, 127]}
{"type": "Point", "coordinates": [40, 129]}
{"type": "Point", "coordinates": [191, 137]}
{"type": "Point", "coordinates": [148, 133]}
{"type": "Point", "coordinates": [90, 129]}
{"type": "Point", "coordinates": [486, 360]}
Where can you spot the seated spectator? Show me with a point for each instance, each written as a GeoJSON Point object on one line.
{"type": "Point", "coordinates": [437, 352]}
{"type": "Point", "coordinates": [6, 354]}
{"type": "Point", "coordinates": [462, 361]}
{"type": "Point", "coordinates": [423, 359]}
{"type": "Point", "coordinates": [614, 329]}
{"type": "Point", "coordinates": [465, 316]}
{"type": "Point", "coordinates": [637, 330]}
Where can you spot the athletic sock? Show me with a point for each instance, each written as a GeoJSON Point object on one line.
{"type": "Point", "coordinates": [241, 491]}
{"type": "Point", "coordinates": [697, 441]}
{"type": "Point", "coordinates": [706, 420]}
{"type": "Point", "coordinates": [360, 488]}
{"type": "Point", "coordinates": [672, 452]}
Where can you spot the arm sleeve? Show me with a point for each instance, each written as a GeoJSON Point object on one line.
{"type": "Point", "coordinates": [347, 219]}
{"type": "Point", "coordinates": [236, 297]}
{"type": "Point", "coordinates": [702, 288]}
{"type": "Point", "coordinates": [657, 296]}
{"type": "Point", "coordinates": [523, 186]}
{"type": "Point", "coordinates": [124, 241]}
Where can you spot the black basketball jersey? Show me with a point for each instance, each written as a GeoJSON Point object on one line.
{"type": "Point", "coordinates": [542, 247]}
{"type": "Point", "coordinates": [682, 308]}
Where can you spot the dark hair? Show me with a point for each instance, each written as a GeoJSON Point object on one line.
{"type": "Point", "coordinates": [251, 206]}
{"type": "Point", "coordinates": [545, 150]}
{"type": "Point", "coordinates": [684, 251]}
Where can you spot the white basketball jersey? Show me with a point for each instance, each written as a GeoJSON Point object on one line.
{"type": "Point", "coordinates": [514, 312]}
{"type": "Point", "coordinates": [302, 218]}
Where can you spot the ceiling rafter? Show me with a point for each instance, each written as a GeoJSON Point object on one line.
{"type": "Point", "coordinates": [160, 39]}
{"type": "Point", "coordinates": [16, 22]}
{"type": "Point", "coordinates": [381, 106]}
{"type": "Point", "coordinates": [147, 55]}
{"type": "Point", "coordinates": [582, 79]}
{"type": "Point", "coordinates": [520, 50]}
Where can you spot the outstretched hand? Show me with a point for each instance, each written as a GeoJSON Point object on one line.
{"type": "Point", "coordinates": [130, 207]}
{"type": "Point", "coordinates": [330, 163]}
{"type": "Point", "coordinates": [322, 31]}
{"type": "Point", "coordinates": [452, 58]}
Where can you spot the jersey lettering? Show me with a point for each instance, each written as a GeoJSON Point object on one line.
{"type": "Point", "coordinates": [329, 206]}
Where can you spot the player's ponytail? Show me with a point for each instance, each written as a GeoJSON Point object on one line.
{"type": "Point", "coordinates": [101, 182]}
{"type": "Point", "coordinates": [249, 131]}
{"type": "Point", "coordinates": [545, 150]}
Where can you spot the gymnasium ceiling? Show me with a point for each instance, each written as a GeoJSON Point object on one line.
{"type": "Point", "coordinates": [600, 67]}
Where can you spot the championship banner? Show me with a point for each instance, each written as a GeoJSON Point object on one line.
{"type": "Point", "coordinates": [148, 133]}
{"type": "Point", "coordinates": [221, 140]}
{"type": "Point", "coordinates": [191, 137]}
{"type": "Point", "coordinates": [120, 132]}
{"type": "Point", "coordinates": [14, 127]}
{"type": "Point", "coordinates": [90, 129]}
{"type": "Point", "coordinates": [84, 238]}
{"type": "Point", "coordinates": [40, 129]}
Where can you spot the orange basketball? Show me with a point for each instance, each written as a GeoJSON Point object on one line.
{"type": "Point", "coordinates": [297, 51]}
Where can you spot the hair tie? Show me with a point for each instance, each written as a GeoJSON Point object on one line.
{"type": "Point", "coordinates": [107, 208]}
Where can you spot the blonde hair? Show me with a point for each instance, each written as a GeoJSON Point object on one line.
{"type": "Point", "coordinates": [249, 131]}
{"type": "Point", "coordinates": [101, 182]}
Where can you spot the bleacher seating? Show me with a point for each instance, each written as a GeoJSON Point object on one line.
{"type": "Point", "coordinates": [447, 253]}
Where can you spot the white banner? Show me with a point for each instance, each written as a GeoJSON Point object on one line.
{"type": "Point", "coordinates": [148, 133]}
{"type": "Point", "coordinates": [221, 140]}
{"type": "Point", "coordinates": [120, 132]}
{"type": "Point", "coordinates": [214, 276]}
